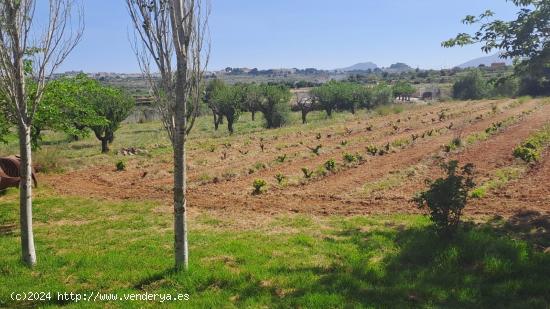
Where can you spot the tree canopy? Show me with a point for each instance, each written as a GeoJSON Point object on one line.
{"type": "Point", "coordinates": [524, 39]}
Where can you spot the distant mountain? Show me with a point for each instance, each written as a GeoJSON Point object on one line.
{"type": "Point", "coordinates": [363, 66]}
{"type": "Point", "coordinates": [399, 67]}
{"type": "Point", "coordinates": [485, 61]}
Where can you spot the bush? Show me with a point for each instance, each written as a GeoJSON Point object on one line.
{"type": "Point", "coordinates": [447, 197]}
{"type": "Point", "coordinates": [258, 185]}
{"type": "Point", "coordinates": [471, 87]}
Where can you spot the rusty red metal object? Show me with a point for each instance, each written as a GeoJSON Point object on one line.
{"type": "Point", "coordinates": [10, 168]}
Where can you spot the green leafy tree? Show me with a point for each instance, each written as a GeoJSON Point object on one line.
{"type": "Point", "coordinates": [275, 105]}
{"type": "Point", "coordinates": [472, 86]}
{"type": "Point", "coordinates": [112, 104]}
{"type": "Point", "coordinates": [67, 107]}
{"type": "Point", "coordinates": [403, 90]}
{"type": "Point", "coordinates": [524, 39]}
{"type": "Point", "coordinates": [340, 95]}
{"type": "Point", "coordinates": [228, 100]}
{"type": "Point", "coordinates": [252, 99]}
{"type": "Point", "coordinates": [381, 94]}
{"type": "Point", "coordinates": [211, 89]}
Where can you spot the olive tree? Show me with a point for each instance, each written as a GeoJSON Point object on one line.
{"type": "Point", "coordinates": [31, 53]}
{"type": "Point", "coordinates": [274, 105]}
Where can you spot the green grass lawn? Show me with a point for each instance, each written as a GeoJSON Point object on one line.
{"type": "Point", "coordinates": [86, 245]}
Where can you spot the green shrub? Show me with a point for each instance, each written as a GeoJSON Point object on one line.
{"type": "Point", "coordinates": [471, 87]}
{"type": "Point", "coordinates": [258, 185]}
{"type": "Point", "coordinates": [120, 166]}
{"type": "Point", "coordinates": [447, 197]}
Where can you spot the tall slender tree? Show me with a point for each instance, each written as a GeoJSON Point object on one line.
{"type": "Point", "coordinates": [168, 30]}
{"type": "Point", "coordinates": [29, 53]}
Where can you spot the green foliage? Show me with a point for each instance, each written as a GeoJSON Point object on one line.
{"type": "Point", "coordinates": [524, 38]}
{"type": "Point", "coordinates": [112, 104]}
{"type": "Point", "coordinates": [381, 94]}
{"type": "Point", "coordinates": [4, 128]}
{"type": "Point", "coordinates": [447, 197]}
{"type": "Point", "coordinates": [274, 105]}
{"type": "Point", "coordinates": [330, 165]}
{"type": "Point", "coordinates": [258, 185]}
{"type": "Point", "coordinates": [341, 96]}
{"type": "Point", "coordinates": [471, 87]}
{"type": "Point", "coordinates": [120, 166]}
{"type": "Point", "coordinates": [530, 150]}
{"type": "Point", "coordinates": [226, 101]}
{"type": "Point", "coordinates": [403, 89]}
{"type": "Point", "coordinates": [505, 87]}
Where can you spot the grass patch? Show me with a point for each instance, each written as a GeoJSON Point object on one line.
{"type": "Point", "coordinates": [499, 179]}
{"type": "Point", "coordinates": [391, 181]}
{"type": "Point", "coordinates": [385, 110]}
{"type": "Point", "coordinates": [392, 261]}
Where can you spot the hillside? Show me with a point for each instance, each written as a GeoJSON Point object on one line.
{"type": "Point", "coordinates": [474, 63]}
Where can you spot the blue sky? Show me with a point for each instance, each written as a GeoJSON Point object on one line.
{"type": "Point", "coordinates": [300, 33]}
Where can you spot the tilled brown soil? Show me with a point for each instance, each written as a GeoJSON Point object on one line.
{"type": "Point", "coordinates": [340, 192]}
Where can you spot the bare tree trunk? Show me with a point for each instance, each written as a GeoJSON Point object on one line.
{"type": "Point", "coordinates": [25, 197]}
{"type": "Point", "coordinates": [105, 145]}
{"type": "Point", "coordinates": [180, 170]}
